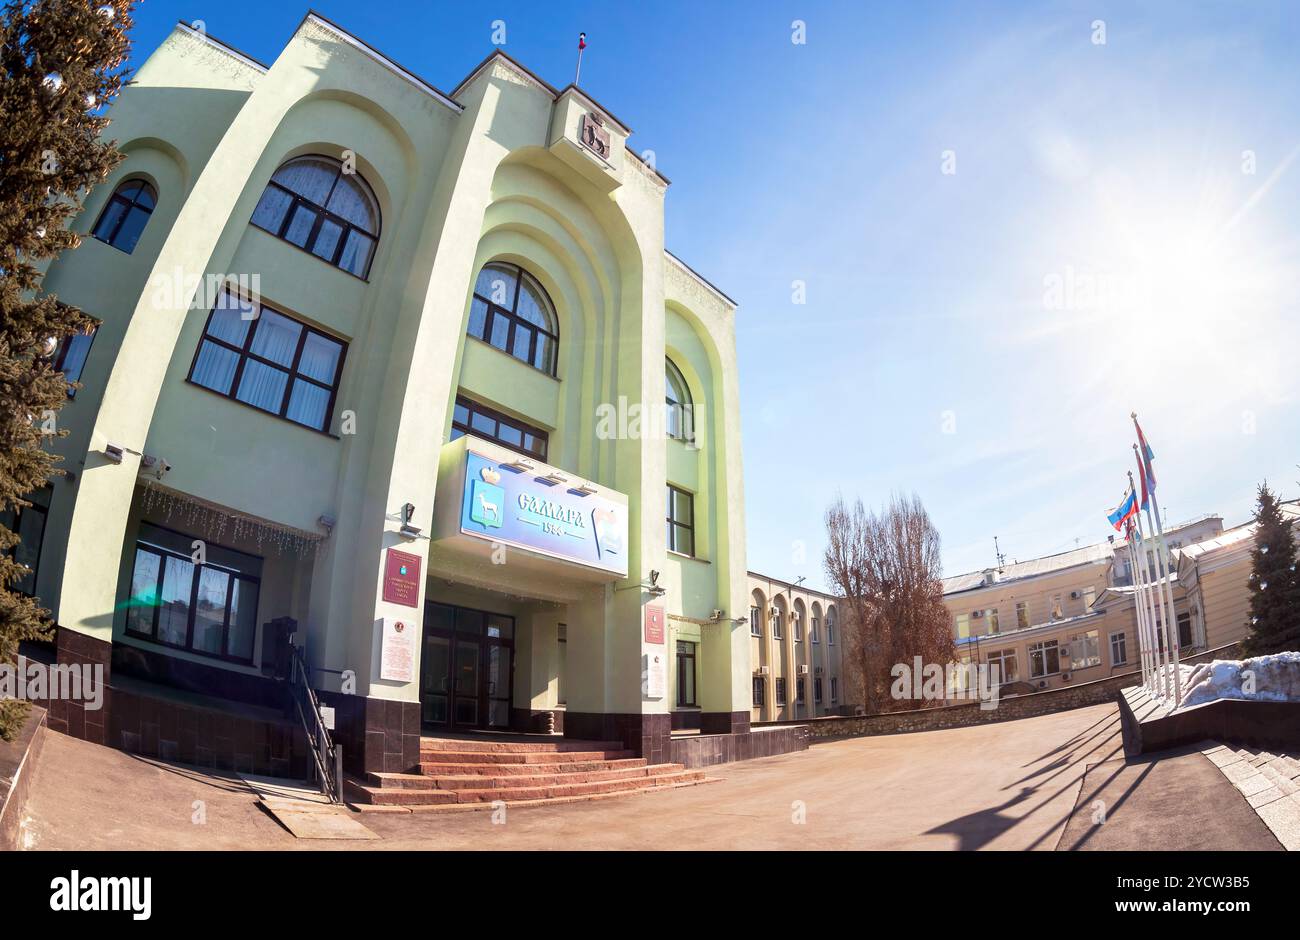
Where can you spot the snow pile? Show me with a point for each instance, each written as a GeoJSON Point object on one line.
{"type": "Point", "coordinates": [1274, 678]}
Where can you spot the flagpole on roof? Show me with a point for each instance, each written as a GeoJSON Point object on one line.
{"type": "Point", "coordinates": [1144, 456]}
{"type": "Point", "coordinates": [582, 44]}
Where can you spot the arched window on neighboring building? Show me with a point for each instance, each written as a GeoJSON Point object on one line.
{"type": "Point", "coordinates": [310, 202]}
{"type": "Point", "coordinates": [511, 312]}
{"type": "Point", "coordinates": [126, 214]}
{"type": "Point", "coordinates": [679, 420]}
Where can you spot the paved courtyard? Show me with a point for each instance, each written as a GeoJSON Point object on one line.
{"type": "Point", "coordinates": [1011, 785]}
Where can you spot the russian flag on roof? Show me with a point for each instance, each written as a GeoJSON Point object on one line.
{"type": "Point", "coordinates": [1127, 510]}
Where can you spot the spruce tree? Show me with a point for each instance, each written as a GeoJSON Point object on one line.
{"type": "Point", "coordinates": [1274, 585]}
{"type": "Point", "coordinates": [64, 61]}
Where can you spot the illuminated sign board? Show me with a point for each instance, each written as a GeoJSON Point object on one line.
{"type": "Point", "coordinates": [522, 508]}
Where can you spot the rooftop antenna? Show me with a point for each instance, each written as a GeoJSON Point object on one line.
{"type": "Point", "coordinates": [997, 552]}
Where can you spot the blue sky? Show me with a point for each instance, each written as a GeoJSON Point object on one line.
{"type": "Point", "coordinates": [1119, 234]}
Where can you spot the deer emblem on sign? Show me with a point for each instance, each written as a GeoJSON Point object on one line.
{"type": "Point", "coordinates": [487, 498]}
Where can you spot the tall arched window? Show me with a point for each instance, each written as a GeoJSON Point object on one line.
{"type": "Point", "coordinates": [511, 312]}
{"type": "Point", "coordinates": [125, 215]}
{"type": "Point", "coordinates": [678, 420]}
{"type": "Point", "coordinates": [310, 202]}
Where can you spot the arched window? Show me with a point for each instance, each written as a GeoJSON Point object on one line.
{"type": "Point", "coordinates": [310, 202]}
{"type": "Point", "coordinates": [679, 420]}
{"type": "Point", "coordinates": [125, 215]}
{"type": "Point", "coordinates": [511, 312]}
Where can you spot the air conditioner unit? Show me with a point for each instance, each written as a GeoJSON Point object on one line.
{"type": "Point", "coordinates": [803, 669]}
{"type": "Point", "coordinates": [977, 614]}
{"type": "Point", "coordinates": [773, 613]}
{"type": "Point", "coordinates": [760, 671]}
{"type": "Point", "coordinates": [1075, 595]}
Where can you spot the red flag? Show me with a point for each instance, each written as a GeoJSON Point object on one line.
{"type": "Point", "coordinates": [1142, 475]}
{"type": "Point", "coordinates": [582, 41]}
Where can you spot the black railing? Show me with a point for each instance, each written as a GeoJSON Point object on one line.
{"type": "Point", "coordinates": [326, 764]}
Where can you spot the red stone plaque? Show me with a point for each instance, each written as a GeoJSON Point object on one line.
{"type": "Point", "coordinates": [402, 578]}
{"type": "Point", "coordinates": [654, 623]}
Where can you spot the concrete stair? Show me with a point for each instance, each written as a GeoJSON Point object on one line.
{"type": "Point", "coordinates": [1270, 783]}
{"type": "Point", "coordinates": [458, 773]}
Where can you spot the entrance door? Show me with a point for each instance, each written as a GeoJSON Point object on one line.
{"type": "Point", "coordinates": [466, 667]}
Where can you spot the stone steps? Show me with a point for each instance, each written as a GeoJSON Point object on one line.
{"type": "Point", "coordinates": [409, 796]}
{"type": "Point", "coordinates": [524, 804]}
{"type": "Point", "coordinates": [558, 746]}
{"type": "Point", "coordinates": [1270, 783]}
{"type": "Point", "coordinates": [519, 757]}
{"type": "Point", "coordinates": [459, 772]}
{"type": "Point", "coordinates": [508, 770]}
{"type": "Point", "coordinates": [443, 781]}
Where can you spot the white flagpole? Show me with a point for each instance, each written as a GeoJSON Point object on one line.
{"type": "Point", "coordinates": [1144, 659]}
{"type": "Point", "coordinates": [582, 38]}
{"type": "Point", "coordinates": [1139, 602]}
{"type": "Point", "coordinates": [1161, 677]}
{"type": "Point", "coordinates": [1162, 556]}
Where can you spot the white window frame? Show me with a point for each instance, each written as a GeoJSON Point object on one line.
{"type": "Point", "coordinates": [1119, 638]}
{"type": "Point", "coordinates": [1042, 647]}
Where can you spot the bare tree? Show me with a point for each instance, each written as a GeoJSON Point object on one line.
{"type": "Point", "coordinates": [886, 567]}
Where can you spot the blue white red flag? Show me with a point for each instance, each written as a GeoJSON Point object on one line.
{"type": "Point", "coordinates": [1127, 510]}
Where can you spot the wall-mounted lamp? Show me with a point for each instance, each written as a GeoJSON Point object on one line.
{"type": "Point", "coordinates": [555, 476]}
{"type": "Point", "coordinates": [655, 589]}
{"type": "Point", "coordinates": [408, 513]}
{"type": "Point", "coordinates": [586, 488]}
{"type": "Point", "coordinates": [521, 463]}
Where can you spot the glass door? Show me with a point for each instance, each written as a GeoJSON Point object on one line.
{"type": "Point", "coordinates": [465, 683]}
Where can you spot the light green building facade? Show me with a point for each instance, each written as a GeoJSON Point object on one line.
{"type": "Point", "coordinates": [306, 458]}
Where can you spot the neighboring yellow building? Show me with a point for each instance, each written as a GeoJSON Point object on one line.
{"type": "Point", "coordinates": [1065, 618]}
{"type": "Point", "coordinates": [796, 652]}
{"type": "Point", "coordinates": [1216, 575]}
{"type": "Point", "coordinates": [457, 415]}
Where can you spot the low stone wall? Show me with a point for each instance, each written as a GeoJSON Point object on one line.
{"type": "Point", "coordinates": [17, 765]}
{"type": "Point", "coordinates": [705, 750]}
{"type": "Point", "coordinates": [964, 714]}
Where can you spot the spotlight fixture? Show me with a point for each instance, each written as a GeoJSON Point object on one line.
{"type": "Point", "coordinates": [522, 464]}
{"type": "Point", "coordinates": [408, 513]}
{"type": "Point", "coordinates": [113, 452]}
{"type": "Point", "coordinates": [586, 488]}
{"type": "Point", "coordinates": [555, 476]}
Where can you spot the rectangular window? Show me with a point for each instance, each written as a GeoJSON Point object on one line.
{"type": "Point", "coordinates": [758, 691]}
{"type": "Point", "coordinates": [1005, 663]}
{"type": "Point", "coordinates": [797, 624]}
{"type": "Point", "coordinates": [780, 691]}
{"type": "Point", "coordinates": [817, 690]}
{"type": "Point", "coordinates": [1085, 650]}
{"type": "Point", "coordinates": [991, 615]}
{"type": "Point", "coordinates": [814, 633]}
{"type": "Point", "coordinates": [799, 691]}
{"type": "Point", "coordinates": [208, 608]}
{"type": "Point", "coordinates": [469, 417]}
{"type": "Point", "coordinates": [1089, 595]}
{"type": "Point", "coordinates": [777, 627]}
{"type": "Point", "coordinates": [1184, 622]}
{"type": "Point", "coordinates": [835, 689]}
{"type": "Point", "coordinates": [263, 358]}
{"type": "Point", "coordinates": [29, 525]}
{"type": "Point", "coordinates": [1022, 615]}
{"type": "Point", "coordinates": [1057, 611]}
{"type": "Point", "coordinates": [1118, 648]}
{"type": "Point", "coordinates": [963, 626]}
{"type": "Point", "coordinates": [1044, 659]}
{"type": "Point", "coordinates": [70, 358]}
{"type": "Point", "coordinates": [755, 621]}
{"type": "Point", "coordinates": [681, 521]}
{"type": "Point", "coordinates": [830, 632]}
{"type": "Point", "coordinates": [685, 674]}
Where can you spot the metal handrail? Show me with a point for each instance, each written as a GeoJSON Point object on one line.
{"type": "Point", "coordinates": [327, 757]}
